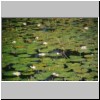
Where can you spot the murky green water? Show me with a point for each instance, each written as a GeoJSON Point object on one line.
{"type": "Point", "coordinates": [49, 49]}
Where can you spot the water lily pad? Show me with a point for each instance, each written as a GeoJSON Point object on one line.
{"type": "Point", "coordinates": [88, 56]}
{"type": "Point", "coordinates": [25, 60]}
{"type": "Point", "coordinates": [9, 59]}
{"type": "Point", "coordinates": [28, 73]}
{"type": "Point", "coordinates": [19, 67]}
{"type": "Point", "coordinates": [74, 78]}
{"type": "Point", "coordinates": [47, 61]}
{"type": "Point", "coordinates": [20, 50]}
{"type": "Point", "coordinates": [42, 76]}
{"type": "Point", "coordinates": [58, 79]}
{"type": "Point", "coordinates": [24, 55]}
{"type": "Point", "coordinates": [8, 73]}
{"type": "Point", "coordinates": [31, 48]}
{"type": "Point", "coordinates": [60, 61]}
{"type": "Point", "coordinates": [13, 79]}
{"type": "Point", "coordinates": [6, 49]}
{"type": "Point", "coordinates": [76, 58]}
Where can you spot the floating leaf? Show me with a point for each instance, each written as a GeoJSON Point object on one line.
{"type": "Point", "coordinates": [19, 67]}
{"type": "Point", "coordinates": [8, 73]}
{"type": "Point", "coordinates": [76, 58]}
{"type": "Point", "coordinates": [28, 73]}
{"type": "Point", "coordinates": [42, 76]}
{"type": "Point", "coordinates": [24, 55]}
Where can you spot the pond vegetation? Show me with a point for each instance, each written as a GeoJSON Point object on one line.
{"type": "Point", "coordinates": [49, 49]}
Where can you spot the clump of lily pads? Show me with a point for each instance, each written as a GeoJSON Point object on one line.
{"type": "Point", "coordinates": [50, 49]}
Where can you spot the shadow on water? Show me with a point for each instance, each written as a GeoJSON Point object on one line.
{"type": "Point", "coordinates": [32, 75]}
{"type": "Point", "coordinates": [63, 54]}
{"type": "Point", "coordinates": [95, 77]}
{"type": "Point", "coordinates": [26, 76]}
{"type": "Point", "coordinates": [69, 52]}
{"type": "Point", "coordinates": [56, 50]}
{"type": "Point", "coordinates": [16, 54]}
{"type": "Point", "coordinates": [9, 67]}
{"type": "Point", "coordinates": [52, 78]}
{"type": "Point", "coordinates": [65, 66]}
{"type": "Point", "coordinates": [48, 29]}
{"type": "Point", "coordinates": [83, 79]}
{"type": "Point", "coordinates": [4, 77]}
{"type": "Point", "coordinates": [71, 70]}
{"type": "Point", "coordinates": [89, 70]}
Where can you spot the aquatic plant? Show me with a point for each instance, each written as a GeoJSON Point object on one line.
{"type": "Point", "coordinates": [49, 49]}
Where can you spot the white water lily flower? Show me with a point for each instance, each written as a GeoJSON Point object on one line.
{"type": "Point", "coordinates": [58, 53]}
{"type": "Point", "coordinates": [38, 25]}
{"type": "Point", "coordinates": [92, 54]}
{"type": "Point", "coordinates": [45, 43]}
{"type": "Point", "coordinates": [86, 28]}
{"type": "Point", "coordinates": [41, 54]}
{"type": "Point", "coordinates": [37, 38]}
{"type": "Point", "coordinates": [25, 24]}
{"type": "Point", "coordinates": [13, 42]}
{"type": "Point", "coordinates": [55, 74]}
{"type": "Point", "coordinates": [17, 73]}
{"type": "Point", "coordinates": [33, 67]}
{"type": "Point", "coordinates": [83, 47]}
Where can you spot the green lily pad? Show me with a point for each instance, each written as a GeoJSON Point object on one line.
{"type": "Point", "coordinates": [8, 73]}
{"type": "Point", "coordinates": [60, 61]}
{"type": "Point", "coordinates": [47, 61]}
{"type": "Point", "coordinates": [9, 59]}
{"type": "Point", "coordinates": [19, 67]}
{"type": "Point", "coordinates": [31, 48]}
{"type": "Point", "coordinates": [6, 49]}
{"type": "Point", "coordinates": [28, 73]}
{"type": "Point", "coordinates": [42, 76]}
{"type": "Point", "coordinates": [76, 58]}
{"type": "Point", "coordinates": [24, 55]}
{"type": "Point", "coordinates": [68, 74]}
{"type": "Point", "coordinates": [74, 78]}
{"type": "Point", "coordinates": [20, 50]}
{"type": "Point", "coordinates": [25, 60]}
{"type": "Point", "coordinates": [13, 79]}
{"type": "Point", "coordinates": [88, 56]}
